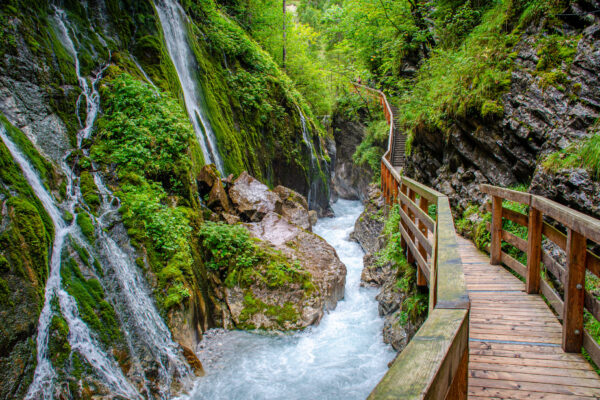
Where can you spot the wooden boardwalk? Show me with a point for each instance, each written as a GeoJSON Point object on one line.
{"type": "Point", "coordinates": [515, 340]}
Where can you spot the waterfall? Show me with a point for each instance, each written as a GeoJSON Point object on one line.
{"type": "Point", "coordinates": [139, 316]}
{"type": "Point", "coordinates": [80, 337]}
{"type": "Point", "coordinates": [173, 21]}
{"type": "Point", "coordinates": [89, 92]}
{"type": "Point", "coordinates": [314, 162]}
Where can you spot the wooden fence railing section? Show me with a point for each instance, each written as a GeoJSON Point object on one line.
{"type": "Point", "coordinates": [580, 229]}
{"type": "Point", "coordinates": [434, 365]}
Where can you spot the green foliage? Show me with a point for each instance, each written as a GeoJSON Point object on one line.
{"type": "Point", "coordinates": [97, 313]}
{"type": "Point", "coordinates": [146, 136]}
{"type": "Point", "coordinates": [240, 259]}
{"type": "Point", "coordinates": [582, 154]}
{"type": "Point", "coordinates": [456, 23]}
{"type": "Point", "coordinates": [143, 131]}
{"type": "Point", "coordinates": [371, 149]}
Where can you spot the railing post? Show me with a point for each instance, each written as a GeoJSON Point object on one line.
{"type": "Point", "coordinates": [383, 179]}
{"type": "Point", "coordinates": [423, 205]}
{"type": "Point", "coordinates": [496, 234]}
{"type": "Point", "coordinates": [388, 186]}
{"type": "Point", "coordinates": [572, 335]}
{"type": "Point", "coordinates": [410, 257]}
{"type": "Point", "coordinates": [534, 250]}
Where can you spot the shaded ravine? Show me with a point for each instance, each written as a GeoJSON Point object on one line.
{"type": "Point", "coordinates": [342, 358]}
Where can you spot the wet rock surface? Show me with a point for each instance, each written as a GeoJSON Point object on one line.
{"type": "Point", "coordinates": [349, 181]}
{"type": "Point", "coordinates": [368, 231]}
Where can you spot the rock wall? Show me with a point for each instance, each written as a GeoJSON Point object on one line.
{"type": "Point", "coordinates": [349, 181]}
{"type": "Point", "coordinates": [539, 117]}
{"type": "Point", "coordinates": [368, 231]}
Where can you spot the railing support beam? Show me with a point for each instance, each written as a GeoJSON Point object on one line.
{"type": "Point", "coordinates": [496, 234]}
{"type": "Point", "coordinates": [572, 335]}
{"type": "Point", "coordinates": [534, 250]}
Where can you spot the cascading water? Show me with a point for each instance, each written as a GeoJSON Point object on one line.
{"type": "Point", "coordinates": [342, 358]}
{"type": "Point", "coordinates": [313, 171]}
{"type": "Point", "coordinates": [79, 337]}
{"type": "Point", "coordinates": [173, 21]}
{"type": "Point", "coordinates": [141, 319]}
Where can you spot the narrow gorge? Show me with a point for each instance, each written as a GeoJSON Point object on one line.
{"type": "Point", "coordinates": [191, 203]}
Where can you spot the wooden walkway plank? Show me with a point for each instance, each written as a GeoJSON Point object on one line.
{"type": "Point", "coordinates": [515, 340]}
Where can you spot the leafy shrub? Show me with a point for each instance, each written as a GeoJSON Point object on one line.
{"type": "Point", "coordinates": [230, 251]}
{"type": "Point", "coordinates": [143, 131]}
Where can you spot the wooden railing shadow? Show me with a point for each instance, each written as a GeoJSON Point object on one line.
{"type": "Point", "coordinates": [434, 364]}
{"type": "Point", "coordinates": [580, 229]}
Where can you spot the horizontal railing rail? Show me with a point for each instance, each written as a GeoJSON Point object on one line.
{"type": "Point", "coordinates": [580, 229]}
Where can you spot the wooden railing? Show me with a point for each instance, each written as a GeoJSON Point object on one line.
{"type": "Point", "coordinates": [580, 229]}
{"type": "Point", "coordinates": [434, 365]}
{"type": "Point", "coordinates": [380, 97]}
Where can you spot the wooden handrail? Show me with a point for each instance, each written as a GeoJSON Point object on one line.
{"type": "Point", "coordinates": [434, 364]}
{"type": "Point", "coordinates": [580, 228]}
{"type": "Point", "coordinates": [387, 110]}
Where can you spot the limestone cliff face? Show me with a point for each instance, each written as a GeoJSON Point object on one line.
{"type": "Point", "coordinates": [349, 180]}
{"type": "Point", "coordinates": [538, 118]}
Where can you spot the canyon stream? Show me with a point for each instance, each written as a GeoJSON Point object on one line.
{"type": "Point", "coordinates": [342, 358]}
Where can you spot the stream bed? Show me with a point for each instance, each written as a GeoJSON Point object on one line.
{"type": "Point", "coordinates": [344, 357]}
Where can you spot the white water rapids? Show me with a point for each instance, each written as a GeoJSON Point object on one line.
{"type": "Point", "coordinates": [343, 358]}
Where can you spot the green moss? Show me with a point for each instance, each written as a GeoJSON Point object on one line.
{"type": "Point", "coordinates": [87, 226]}
{"type": "Point", "coordinates": [27, 240]}
{"type": "Point", "coordinates": [252, 306]}
{"type": "Point", "coordinates": [5, 299]}
{"type": "Point", "coordinates": [580, 154]}
{"type": "Point", "coordinates": [97, 313]}
{"type": "Point", "coordinates": [89, 190]}
{"type": "Point", "coordinates": [241, 260]}
{"type": "Point", "coordinates": [44, 168]}
{"type": "Point", "coordinates": [58, 342]}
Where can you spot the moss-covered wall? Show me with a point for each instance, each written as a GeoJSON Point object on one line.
{"type": "Point", "coordinates": [26, 234]}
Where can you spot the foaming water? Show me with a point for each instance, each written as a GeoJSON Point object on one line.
{"type": "Point", "coordinates": [342, 358]}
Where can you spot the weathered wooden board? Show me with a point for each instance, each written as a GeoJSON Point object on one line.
{"type": "Point", "coordinates": [508, 194]}
{"type": "Point", "coordinates": [579, 222]}
{"type": "Point", "coordinates": [422, 369]}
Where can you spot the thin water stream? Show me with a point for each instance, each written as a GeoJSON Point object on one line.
{"type": "Point", "coordinates": [342, 358]}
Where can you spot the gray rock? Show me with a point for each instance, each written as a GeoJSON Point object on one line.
{"type": "Point", "coordinates": [253, 199]}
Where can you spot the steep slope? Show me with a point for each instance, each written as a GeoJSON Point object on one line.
{"type": "Point", "coordinates": [94, 104]}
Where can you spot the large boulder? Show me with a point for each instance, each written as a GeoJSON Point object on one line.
{"type": "Point", "coordinates": [217, 198]}
{"type": "Point", "coordinates": [253, 199]}
{"type": "Point", "coordinates": [294, 207]}
{"type": "Point", "coordinates": [305, 302]}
